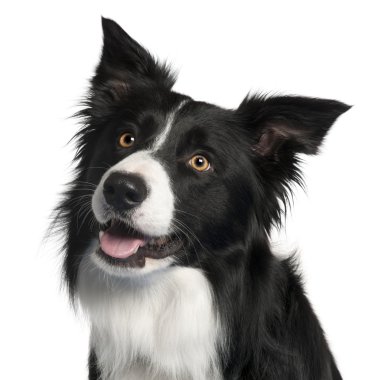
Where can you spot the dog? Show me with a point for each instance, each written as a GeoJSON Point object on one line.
{"type": "Point", "coordinates": [167, 225]}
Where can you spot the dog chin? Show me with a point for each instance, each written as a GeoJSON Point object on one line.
{"type": "Point", "coordinates": [150, 266]}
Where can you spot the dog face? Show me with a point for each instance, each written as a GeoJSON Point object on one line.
{"type": "Point", "coordinates": [165, 161]}
{"type": "Point", "coordinates": [170, 176]}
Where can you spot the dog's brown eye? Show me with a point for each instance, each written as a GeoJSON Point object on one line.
{"type": "Point", "coordinates": [199, 163]}
{"type": "Point", "coordinates": [126, 140]}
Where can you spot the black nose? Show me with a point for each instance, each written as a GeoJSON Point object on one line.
{"type": "Point", "coordinates": [123, 191]}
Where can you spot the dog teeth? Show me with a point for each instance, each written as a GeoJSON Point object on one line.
{"type": "Point", "coordinates": [135, 251]}
{"type": "Point", "coordinates": [161, 240]}
{"type": "Point", "coordinates": [156, 243]}
{"type": "Point", "coordinates": [101, 233]}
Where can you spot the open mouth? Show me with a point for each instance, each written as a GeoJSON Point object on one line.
{"type": "Point", "coordinates": [123, 246]}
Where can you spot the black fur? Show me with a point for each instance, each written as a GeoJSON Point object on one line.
{"type": "Point", "coordinates": [272, 330]}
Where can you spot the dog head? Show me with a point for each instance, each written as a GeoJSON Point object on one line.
{"type": "Point", "coordinates": [174, 180]}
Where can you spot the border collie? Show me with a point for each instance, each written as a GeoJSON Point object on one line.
{"type": "Point", "coordinates": [167, 225]}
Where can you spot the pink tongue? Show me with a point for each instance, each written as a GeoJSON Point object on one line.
{"type": "Point", "coordinates": [119, 246]}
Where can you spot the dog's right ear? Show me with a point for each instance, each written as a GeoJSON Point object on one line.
{"type": "Point", "coordinates": [126, 64]}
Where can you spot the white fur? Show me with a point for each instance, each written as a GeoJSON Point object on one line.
{"type": "Point", "coordinates": [160, 140]}
{"type": "Point", "coordinates": [160, 326]}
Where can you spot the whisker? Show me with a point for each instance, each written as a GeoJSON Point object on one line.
{"type": "Point", "coordinates": [190, 235]}
{"type": "Point", "coordinates": [180, 239]}
{"type": "Point", "coordinates": [86, 215]}
{"type": "Point", "coordinates": [187, 213]}
{"type": "Point", "coordinates": [182, 224]}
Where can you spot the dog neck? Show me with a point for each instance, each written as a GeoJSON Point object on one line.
{"type": "Point", "coordinates": [158, 326]}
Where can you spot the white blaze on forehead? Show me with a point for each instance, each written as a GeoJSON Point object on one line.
{"type": "Point", "coordinates": [162, 137]}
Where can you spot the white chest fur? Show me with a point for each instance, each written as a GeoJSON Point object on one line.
{"type": "Point", "coordinates": [159, 326]}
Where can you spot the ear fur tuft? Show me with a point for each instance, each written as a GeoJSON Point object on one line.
{"type": "Point", "coordinates": [294, 123]}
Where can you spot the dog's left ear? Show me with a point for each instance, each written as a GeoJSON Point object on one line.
{"type": "Point", "coordinates": [284, 125]}
{"type": "Point", "coordinates": [277, 128]}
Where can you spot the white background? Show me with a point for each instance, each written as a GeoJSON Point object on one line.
{"type": "Point", "coordinates": [222, 50]}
